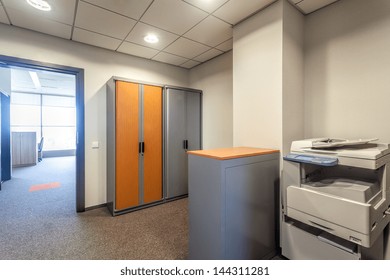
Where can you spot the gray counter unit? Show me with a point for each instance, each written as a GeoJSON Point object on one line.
{"type": "Point", "coordinates": [232, 209]}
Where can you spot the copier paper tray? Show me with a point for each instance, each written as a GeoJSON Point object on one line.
{"type": "Point", "coordinates": [360, 191]}
{"type": "Point", "coordinates": [333, 205]}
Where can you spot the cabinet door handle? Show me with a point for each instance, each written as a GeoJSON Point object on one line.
{"type": "Point", "coordinates": [185, 145]}
{"type": "Point", "coordinates": [143, 147]}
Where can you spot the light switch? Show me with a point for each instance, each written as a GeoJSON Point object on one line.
{"type": "Point", "coordinates": [95, 144]}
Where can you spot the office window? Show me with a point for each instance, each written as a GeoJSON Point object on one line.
{"type": "Point", "coordinates": [59, 122]}
{"type": "Point", "coordinates": [59, 138]}
{"type": "Point", "coordinates": [53, 117]}
{"type": "Point", "coordinates": [26, 113]}
{"type": "Point", "coordinates": [25, 98]}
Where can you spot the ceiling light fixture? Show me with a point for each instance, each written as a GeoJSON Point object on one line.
{"type": "Point", "coordinates": [35, 79]}
{"type": "Point", "coordinates": [40, 5]}
{"type": "Point", "coordinates": [151, 38]}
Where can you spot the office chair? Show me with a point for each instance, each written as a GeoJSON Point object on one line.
{"type": "Point", "coordinates": [40, 146]}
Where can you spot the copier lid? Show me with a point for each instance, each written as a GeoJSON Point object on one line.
{"type": "Point", "coordinates": [360, 149]}
{"type": "Point", "coordinates": [366, 151]}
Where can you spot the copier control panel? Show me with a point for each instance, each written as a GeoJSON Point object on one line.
{"type": "Point", "coordinates": [324, 161]}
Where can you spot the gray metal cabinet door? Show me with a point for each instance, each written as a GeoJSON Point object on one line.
{"type": "Point", "coordinates": [176, 157]}
{"type": "Point", "coordinates": [194, 120]}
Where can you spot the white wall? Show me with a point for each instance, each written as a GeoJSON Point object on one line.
{"type": "Point", "coordinates": [293, 76]}
{"type": "Point", "coordinates": [215, 78]}
{"type": "Point", "coordinates": [347, 70]}
{"type": "Point", "coordinates": [257, 79]}
{"type": "Point", "coordinates": [99, 65]}
{"type": "Point", "coordinates": [5, 80]}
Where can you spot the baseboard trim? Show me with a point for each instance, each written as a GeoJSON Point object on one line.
{"type": "Point", "coordinates": [95, 207]}
{"type": "Point", "coordinates": [121, 212]}
{"type": "Point", "coordinates": [176, 197]}
{"type": "Point", "coordinates": [58, 153]}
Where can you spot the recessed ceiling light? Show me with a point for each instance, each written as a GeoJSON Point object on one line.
{"type": "Point", "coordinates": [151, 38]}
{"type": "Point", "coordinates": [40, 5]}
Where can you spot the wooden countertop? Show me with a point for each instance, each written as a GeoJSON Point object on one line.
{"type": "Point", "coordinates": [231, 153]}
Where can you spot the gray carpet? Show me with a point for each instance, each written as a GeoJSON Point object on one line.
{"type": "Point", "coordinates": [44, 225]}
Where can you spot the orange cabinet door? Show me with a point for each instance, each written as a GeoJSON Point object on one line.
{"type": "Point", "coordinates": [126, 150]}
{"type": "Point", "coordinates": [152, 130]}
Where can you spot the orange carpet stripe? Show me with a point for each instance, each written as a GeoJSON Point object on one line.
{"type": "Point", "coordinates": [46, 186]}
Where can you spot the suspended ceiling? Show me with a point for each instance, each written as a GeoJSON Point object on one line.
{"type": "Point", "coordinates": [190, 31]}
{"type": "Point", "coordinates": [24, 80]}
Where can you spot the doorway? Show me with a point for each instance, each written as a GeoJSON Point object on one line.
{"type": "Point", "coordinates": [56, 131]}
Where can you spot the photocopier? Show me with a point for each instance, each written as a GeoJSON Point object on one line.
{"type": "Point", "coordinates": [335, 200]}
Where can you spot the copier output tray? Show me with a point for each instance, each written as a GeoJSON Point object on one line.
{"type": "Point", "coordinates": [339, 206]}
{"type": "Point", "coordinates": [356, 190]}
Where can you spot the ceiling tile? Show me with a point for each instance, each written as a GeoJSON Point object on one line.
{"type": "Point", "coordinates": [130, 8]}
{"type": "Point", "coordinates": [95, 39]}
{"type": "Point", "coordinates": [211, 32]}
{"type": "Point", "coordinates": [225, 46]}
{"type": "Point", "coordinates": [190, 63]}
{"type": "Point", "coordinates": [175, 16]}
{"type": "Point", "coordinates": [208, 55]}
{"type": "Point", "coordinates": [102, 21]}
{"type": "Point", "coordinates": [62, 10]}
{"type": "Point", "coordinates": [137, 50]}
{"type": "Point", "coordinates": [21, 80]}
{"type": "Point", "coordinates": [141, 30]}
{"type": "Point", "coordinates": [208, 6]}
{"type": "Point", "coordinates": [50, 82]}
{"type": "Point", "coordinates": [3, 16]}
{"type": "Point", "coordinates": [169, 58]}
{"type": "Point", "coordinates": [236, 10]}
{"type": "Point", "coordinates": [57, 83]}
{"type": "Point", "coordinates": [40, 24]}
{"type": "Point", "coordinates": [309, 6]}
{"type": "Point", "coordinates": [186, 48]}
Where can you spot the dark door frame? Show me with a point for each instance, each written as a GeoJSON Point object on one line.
{"type": "Point", "coordinates": [8, 61]}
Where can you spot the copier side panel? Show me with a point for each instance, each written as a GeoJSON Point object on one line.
{"type": "Point", "coordinates": [291, 177]}
{"type": "Point", "coordinates": [386, 233]}
{"type": "Point", "coordinates": [386, 242]}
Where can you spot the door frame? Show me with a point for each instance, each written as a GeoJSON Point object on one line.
{"type": "Point", "coordinates": [9, 61]}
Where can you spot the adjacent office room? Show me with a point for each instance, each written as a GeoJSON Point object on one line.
{"type": "Point", "coordinates": [43, 136]}
{"type": "Point", "coordinates": [38, 149]}
{"type": "Point", "coordinates": [271, 72]}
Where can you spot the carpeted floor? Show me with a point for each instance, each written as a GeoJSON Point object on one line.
{"type": "Point", "coordinates": [43, 224]}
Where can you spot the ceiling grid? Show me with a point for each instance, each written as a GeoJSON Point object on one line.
{"type": "Point", "coordinates": [191, 32]}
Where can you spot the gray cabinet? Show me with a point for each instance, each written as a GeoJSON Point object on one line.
{"type": "Point", "coordinates": [182, 134]}
{"type": "Point", "coordinates": [232, 210]}
{"type": "Point", "coordinates": [24, 148]}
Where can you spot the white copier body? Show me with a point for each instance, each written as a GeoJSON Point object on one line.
{"type": "Point", "coordinates": [335, 200]}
